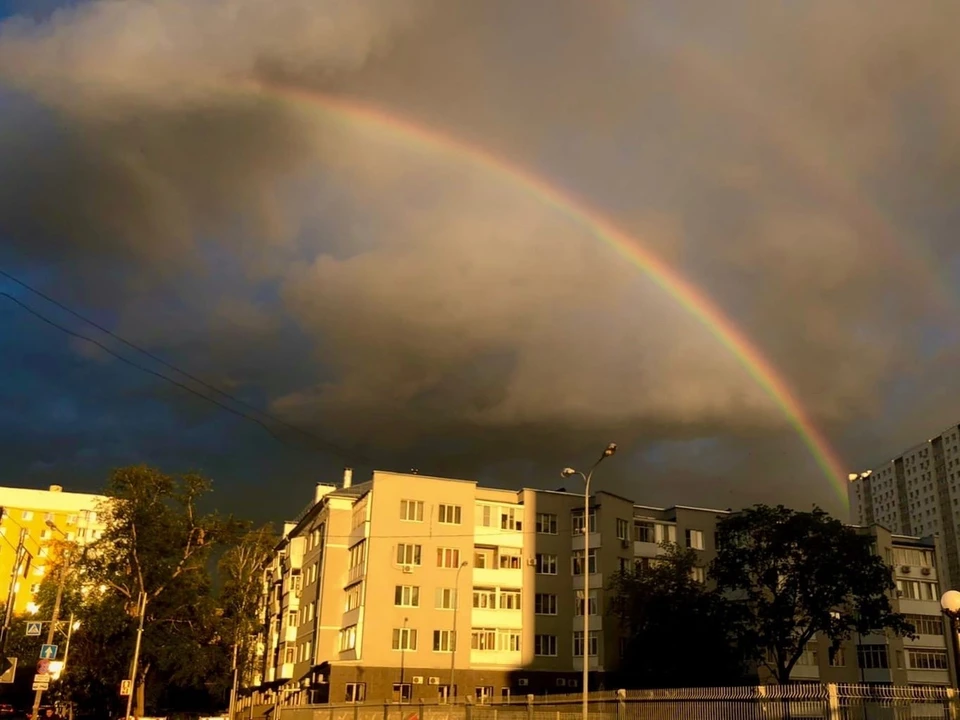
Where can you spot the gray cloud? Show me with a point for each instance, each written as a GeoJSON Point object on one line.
{"type": "Point", "coordinates": [789, 160]}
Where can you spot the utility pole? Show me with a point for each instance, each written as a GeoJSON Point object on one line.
{"type": "Point", "coordinates": [233, 685]}
{"type": "Point", "coordinates": [142, 607]}
{"type": "Point", "coordinates": [11, 597]}
{"type": "Point", "coordinates": [54, 619]}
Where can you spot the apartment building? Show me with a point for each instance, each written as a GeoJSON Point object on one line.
{"type": "Point", "coordinates": [882, 659]}
{"type": "Point", "coordinates": [411, 587]}
{"type": "Point", "coordinates": [74, 517]}
{"type": "Point", "coordinates": [916, 493]}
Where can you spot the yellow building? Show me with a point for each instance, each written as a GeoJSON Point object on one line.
{"type": "Point", "coordinates": [74, 516]}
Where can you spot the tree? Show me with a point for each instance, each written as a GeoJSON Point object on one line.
{"type": "Point", "coordinates": [799, 574]}
{"type": "Point", "coordinates": [241, 591]}
{"type": "Point", "coordinates": [664, 612]}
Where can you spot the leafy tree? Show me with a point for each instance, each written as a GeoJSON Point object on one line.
{"type": "Point", "coordinates": [799, 574]}
{"type": "Point", "coordinates": [664, 613]}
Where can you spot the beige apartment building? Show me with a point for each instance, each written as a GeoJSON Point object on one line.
{"type": "Point", "coordinates": [410, 587]}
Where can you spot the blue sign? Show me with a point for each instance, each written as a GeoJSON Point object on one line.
{"type": "Point", "coordinates": [48, 652]}
{"type": "Point", "coordinates": [33, 629]}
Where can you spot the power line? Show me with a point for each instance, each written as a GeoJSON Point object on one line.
{"type": "Point", "coordinates": [165, 363]}
{"type": "Point", "coordinates": [157, 374]}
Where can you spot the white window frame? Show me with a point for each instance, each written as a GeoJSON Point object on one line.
{"type": "Point", "coordinates": [546, 524]}
{"type": "Point", "coordinates": [409, 554]}
{"type": "Point", "coordinates": [411, 510]}
{"type": "Point", "coordinates": [406, 596]}
{"type": "Point", "coordinates": [448, 558]}
{"type": "Point", "coordinates": [445, 598]}
{"type": "Point", "coordinates": [404, 639]}
{"type": "Point", "coordinates": [538, 645]}
{"type": "Point", "coordinates": [449, 514]}
{"type": "Point", "coordinates": [546, 564]}
{"type": "Point", "coordinates": [545, 604]}
{"type": "Point", "coordinates": [444, 641]}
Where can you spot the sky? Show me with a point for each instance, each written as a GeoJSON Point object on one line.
{"type": "Point", "coordinates": [372, 227]}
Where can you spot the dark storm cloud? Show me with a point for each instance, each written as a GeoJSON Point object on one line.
{"type": "Point", "coordinates": [792, 160]}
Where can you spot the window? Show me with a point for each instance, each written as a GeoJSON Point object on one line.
{"type": "Point", "coordinates": [918, 589]}
{"type": "Point", "coordinates": [348, 638]}
{"type": "Point", "coordinates": [545, 604]}
{"type": "Point", "coordinates": [510, 559]}
{"type": "Point", "coordinates": [48, 517]}
{"type": "Point", "coordinates": [71, 519]}
{"type": "Point", "coordinates": [808, 658]}
{"type": "Point", "coordinates": [311, 611]}
{"type": "Point", "coordinates": [46, 534]}
{"type": "Point", "coordinates": [664, 533]}
{"type": "Point", "coordinates": [509, 600]}
{"type": "Point", "coordinates": [485, 598]}
{"type": "Point", "coordinates": [624, 565]}
{"type": "Point", "coordinates": [546, 524]}
{"type": "Point", "coordinates": [926, 624]}
{"type": "Point", "coordinates": [545, 645]}
{"type": "Point", "coordinates": [406, 596]}
{"type": "Point", "coordinates": [444, 641]}
{"type": "Point", "coordinates": [623, 529]}
{"type": "Point", "coordinates": [643, 531]}
{"type": "Point", "coordinates": [837, 658]}
{"type": "Point", "coordinates": [576, 518]}
{"type": "Point", "coordinates": [485, 515]}
{"type": "Point", "coordinates": [484, 694]}
{"type": "Point", "coordinates": [910, 556]}
{"type": "Point", "coordinates": [359, 517]}
{"type": "Point", "coordinates": [411, 510]}
{"type": "Point", "coordinates": [483, 639]}
{"type": "Point", "coordinates": [695, 539]}
{"type": "Point", "coordinates": [448, 557]}
{"type": "Point", "coordinates": [449, 514]}
{"type": "Point", "coordinates": [289, 655]}
{"type": "Point", "coordinates": [292, 618]}
{"type": "Point", "coordinates": [446, 598]}
{"type": "Point", "coordinates": [872, 657]}
{"type": "Point", "coordinates": [408, 554]}
{"type": "Point", "coordinates": [26, 515]}
{"type": "Point", "coordinates": [402, 692]}
{"type": "Point", "coordinates": [352, 597]}
{"type": "Point", "coordinates": [578, 643]}
{"type": "Point", "coordinates": [356, 692]}
{"type": "Point", "coordinates": [508, 640]}
{"type": "Point", "coordinates": [926, 659]}
{"type": "Point", "coordinates": [578, 562]}
{"type": "Point", "coordinates": [404, 639]}
{"type": "Point", "coordinates": [508, 519]}
{"type": "Point", "coordinates": [357, 554]}
{"type": "Point", "coordinates": [593, 603]}
{"type": "Point", "coordinates": [445, 692]}
{"type": "Point", "coordinates": [485, 558]}
{"type": "Point", "coordinates": [698, 574]}
{"type": "Point", "coordinates": [546, 564]}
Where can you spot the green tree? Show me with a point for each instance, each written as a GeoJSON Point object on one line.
{"type": "Point", "coordinates": [799, 574]}
{"type": "Point", "coordinates": [664, 612]}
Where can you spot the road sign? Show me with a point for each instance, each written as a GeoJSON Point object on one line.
{"type": "Point", "coordinates": [34, 629]}
{"type": "Point", "coordinates": [10, 672]}
{"type": "Point", "coordinates": [41, 686]}
{"type": "Point", "coordinates": [125, 687]}
{"type": "Point", "coordinates": [44, 678]}
{"type": "Point", "coordinates": [48, 652]}
{"type": "Point", "coordinates": [43, 667]}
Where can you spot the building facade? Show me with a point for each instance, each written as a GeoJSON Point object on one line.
{"type": "Point", "coordinates": [43, 516]}
{"type": "Point", "coordinates": [916, 493]}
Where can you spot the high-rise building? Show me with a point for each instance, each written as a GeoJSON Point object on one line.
{"type": "Point", "coordinates": [41, 516]}
{"type": "Point", "coordinates": [916, 493]}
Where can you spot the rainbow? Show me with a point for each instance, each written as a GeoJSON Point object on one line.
{"type": "Point", "coordinates": [696, 303]}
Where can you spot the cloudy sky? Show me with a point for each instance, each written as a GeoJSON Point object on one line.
{"type": "Point", "coordinates": [195, 177]}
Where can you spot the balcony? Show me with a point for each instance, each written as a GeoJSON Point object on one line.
{"type": "Point", "coordinates": [498, 577]}
{"type": "Point", "coordinates": [285, 671]}
{"type": "Point", "coordinates": [353, 574]}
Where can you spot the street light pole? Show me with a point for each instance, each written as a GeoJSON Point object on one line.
{"type": "Point", "coordinates": [142, 607]}
{"type": "Point", "coordinates": [585, 646]}
{"type": "Point", "coordinates": [950, 604]}
{"type": "Point", "coordinates": [451, 691]}
{"type": "Point", "coordinates": [54, 619]}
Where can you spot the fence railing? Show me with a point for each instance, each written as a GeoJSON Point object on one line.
{"type": "Point", "coordinates": [765, 702]}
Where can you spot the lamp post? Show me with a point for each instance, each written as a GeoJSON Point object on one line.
{"type": "Point", "coordinates": [451, 691]}
{"type": "Point", "coordinates": [54, 617]}
{"type": "Point", "coordinates": [950, 604]}
{"type": "Point", "coordinates": [568, 472]}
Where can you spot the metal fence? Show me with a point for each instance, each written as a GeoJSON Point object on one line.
{"type": "Point", "coordinates": [765, 702]}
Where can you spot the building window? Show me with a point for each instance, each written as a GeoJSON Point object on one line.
{"type": "Point", "coordinates": [446, 598]}
{"type": "Point", "coordinates": [926, 659]}
{"type": "Point", "coordinates": [311, 611]}
{"type": "Point", "coordinates": [71, 519]}
{"type": "Point", "coordinates": [545, 604]}
{"type": "Point", "coordinates": [356, 692]}
{"type": "Point", "coordinates": [484, 558]}
{"type": "Point", "coordinates": [643, 531]}
{"type": "Point", "coordinates": [404, 639]}
{"type": "Point", "coordinates": [623, 529]}
{"type": "Point", "coordinates": [913, 557]}
{"type": "Point", "coordinates": [444, 641]}
{"type": "Point", "coordinates": [449, 514]}
{"type": "Point", "coordinates": [411, 510]}
{"type": "Point", "coordinates": [576, 518]}
{"type": "Point", "coordinates": [695, 539]}
{"type": "Point", "coordinates": [402, 692]}
{"type": "Point", "coordinates": [508, 640]}
{"type": "Point", "coordinates": [837, 657]}
{"type": "Point", "coordinates": [872, 657]}
{"type": "Point", "coordinates": [918, 589]}
{"type": "Point", "coordinates": [545, 645]}
{"type": "Point", "coordinates": [292, 618]}
{"type": "Point", "coordinates": [546, 564]}
{"type": "Point", "coordinates": [578, 643]}
{"type": "Point", "coordinates": [352, 597]}
{"type": "Point", "coordinates": [448, 557]}
{"type": "Point", "coordinates": [508, 519]}
{"type": "Point", "coordinates": [483, 639]}
{"type": "Point", "coordinates": [808, 658]}
{"type": "Point", "coordinates": [926, 624]}
{"type": "Point", "coordinates": [698, 574]}
{"type": "Point", "coordinates": [485, 515]}
{"type": "Point", "coordinates": [357, 554]}
{"type": "Point", "coordinates": [578, 562]}
{"type": "Point", "coordinates": [485, 598]}
{"type": "Point", "coordinates": [593, 603]}
{"type": "Point", "coordinates": [408, 554]}
{"type": "Point", "coordinates": [484, 694]}
{"type": "Point", "coordinates": [510, 559]}
{"type": "Point", "coordinates": [348, 638]}
{"type": "Point", "coordinates": [445, 692]}
{"type": "Point", "coordinates": [406, 596]}
{"type": "Point", "coordinates": [546, 524]}
{"type": "Point", "coordinates": [509, 599]}
{"type": "Point", "coordinates": [289, 656]}
{"type": "Point", "coordinates": [26, 515]}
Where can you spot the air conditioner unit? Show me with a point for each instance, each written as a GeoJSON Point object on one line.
{"type": "Point", "coordinates": [523, 682]}
{"type": "Point", "coordinates": [905, 569]}
{"type": "Point", "coordinates": [418, 679]}
{"type": "Point", "coordinates": [624, 543]}
{"type": "Point", "coordinates": [925, 571]}
{"type": "Point", "coordinates": [561, 682]}
{"type": "Point", "coordinates": [434, 680]}
{"type": "Point", "coordinates": [531, 562]}
{"type": "Point", "coordinates": [408, 569]}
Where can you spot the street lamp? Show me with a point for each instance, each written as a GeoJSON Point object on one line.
{"type": "Point", "coordinates": [55, 616]}
{"type": "Point", "coordinates": [451, 692]}
{"type": "Point", "coordinates": [569, 472]}
{"type": "Point", "coordinates": [950, 604]}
